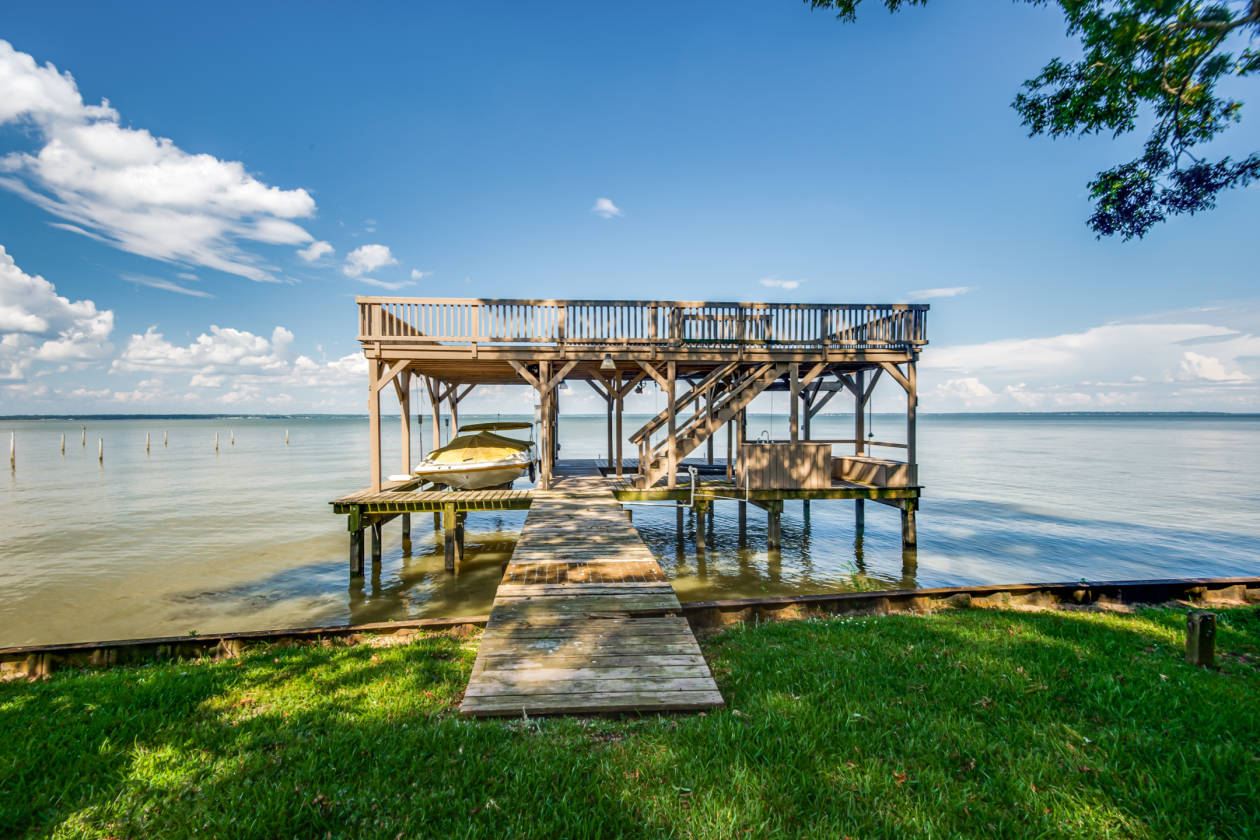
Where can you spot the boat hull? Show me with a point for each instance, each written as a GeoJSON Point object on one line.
{"type": "Point", "coordinates": [473, 477]}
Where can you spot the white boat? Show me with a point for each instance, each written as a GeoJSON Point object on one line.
{"type": "Point", "coordinates": [477, 458]}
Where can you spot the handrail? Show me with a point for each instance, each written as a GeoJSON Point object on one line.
{"type": "Point", "coordinates": [620, 323]}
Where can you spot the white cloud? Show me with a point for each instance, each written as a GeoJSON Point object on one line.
{"type": "Point", "coordinates": [386, 284]}
{"type": "Point", "coordinates": [165, 285]}
{"type": "Point", "coordinates": [417, 274]}
{"type": "Point", "coordinates": [1208, 368]}
{"type": "Point", "coordinates": [776, 283]}
{"type": "Point", "coordinates": [1138, 365]}
{"type": "Point", "coordinates": [605, 208]}
{"type": "Point", "coordinates": [37, 324]}
{"type": "Point", "coordinates": [367, 258]}
{"type": "Point", "coordinates": [950, 291]}
{"type": "Point", "coordinates": [316, 250]}
{"type": "Point", "coordinates": [222, 350]}
{"type": "Point", "coordinates": [969, 391]}
{"type": "Point", "coordinates": [132, 190]}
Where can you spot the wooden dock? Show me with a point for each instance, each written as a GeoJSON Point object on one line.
{"type": "Point", "coordinates": [584, 620]}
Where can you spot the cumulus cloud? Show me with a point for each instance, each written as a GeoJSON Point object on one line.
{"type": "Point", "coordinates": [1209, 369]}
{"type": "Point", "coordinates": [316, 250]}
{"type": "Point", "coordinates": [137, 192]}
{"type": "Point", "coordinates": [367, 258]}
{"type": "Point", "coordinates": [1138, 365]}
{"type": "Point", "coordinates": [604, 208]}
{"type": "Point", "coordinates": [417, 274]}
{"type": "Point", "coordinates": [944, 292]}
{"type": "Point", "coordinates": [37, 324]}
{"type": "Point", "coordinates": [776, 283]}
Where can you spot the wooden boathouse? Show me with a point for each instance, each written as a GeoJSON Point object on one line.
{"type": "Point", "coordinates": [582, 624]}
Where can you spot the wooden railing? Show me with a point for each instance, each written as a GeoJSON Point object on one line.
{"type": "Point", "coordinates": [618, 323]}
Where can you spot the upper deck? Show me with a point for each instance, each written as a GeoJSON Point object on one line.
{"type": "Point", "coordinates": [443, 328]}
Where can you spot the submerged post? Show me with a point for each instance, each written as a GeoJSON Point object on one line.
{"type": "Point", "coordinates": [909, 536]}
{"type": "Point", "coordinates": [164, 438]}
{"type": "Point", "coordinates": [774, 525]}
{"type": "Point", "coordinates": [1201, 638]}
{"type": "Point", "coordinates": [356, 552]}
{"type": "Point", "coordinates": [448, 536]}
{"type": "Point", "coordinates": [859, 516]}
{"type": "Point", "coordinates": [63, 443]}
{"type": "Point", "coordinates": [701, 508]}
{"type": "Point", "coordinates": [376, 543]}
{"type": "Point", "coordinates": [100, 450]}
{"type": "Point", "coordinates": [406, 533]}
{"type": "Point", "coordinates": [146, 443]}
{"type": "Point", "coordinates": [12, 450]}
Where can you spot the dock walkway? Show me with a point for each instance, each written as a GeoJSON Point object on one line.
{"type": "Point", "coordinates": [584, 620]}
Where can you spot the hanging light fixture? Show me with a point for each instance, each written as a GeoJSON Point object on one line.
{"type": "Point", "coordinates": [638, 389]}
{"type": "Point", "coordinates": [608, 363]}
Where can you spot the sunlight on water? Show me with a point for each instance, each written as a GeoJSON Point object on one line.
{"type": "Point", "coordinates": [183, 539]}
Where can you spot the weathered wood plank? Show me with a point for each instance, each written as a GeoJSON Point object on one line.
{"type": "Point", "coordinates": [594, 703]}
{"type": "Point", "coordinates": [488, 684]}
{"type": "Point", "coordinates": [584, 619]}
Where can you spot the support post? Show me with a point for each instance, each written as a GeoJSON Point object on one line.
{"type": "Point", "coordinates": [909, 535]}
{"type": "Point", "coordinates": [374, 423]}
{"type": "Point", "coordinates": [671, 376]}
{"type": "Point", "coordinates": [404, 404]}
{"type": "Point", "coordinates": [708, 413]}
{"type": "Point", "coordinates": [406, 533]}
{"type": "Point", "coordinates": [448, 536]}
{"type": "Point", "coordinates": [376, 543]}
{"type": "Point", "coordinates": [859, 417]}
{"type": "Point", "coordinates": [620, 409]}
{"type": "Point", "coordinates": [774, 525]}
{"type": "Point", "coordinates": [730, 437]}
{"type": "Point", "coordinates": [859, 516]}
{"type": "Point", "coordinates": [356, 552]}
{"type": "Point", "coordinates": [702, 510]}
{"type": "Point", "coordinates": [794, 413]}
{"type": "Point", "coordinates": [459, 537]}
{"type": "Point", "coordinates": [1201, 638]}
{"type": "Point", "coordinates": [610, 387]}
{"type": "Point", "coordinates": [544, 426]}
{"type": "Point", "coordinates": [912, 408]}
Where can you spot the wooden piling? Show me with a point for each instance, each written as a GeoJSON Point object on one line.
{"type": "Point", "coordinates": [376, 543]}
{"type": "Point", "coordinates": [909, 535]}
{"type": "Point", "coordinates": [774, 525]}
{"type": "Point", "coordinates": [216, 441]}
{"type": "Point", "coordinates": [1201, 639]}
{"type": "Point", "coordinates": [83, 436]}
{"type": "Point", "coordinates": [406, 533]}
{"type": "Point", "coordinates": [356, 552]}
{"type": "Point", "coordinates": [63, 443]}
{"type": "Point", "coordinates": [164, 433]}
{"type": "Point", "coordinates": [859, 516]}
{"type": "Point", "coordinates": [286, 437]}
{"type": "Point", "coordinates": [448, 537]}
{"type": "Point", "coordinates": [100, 450]}
{"type": "Point", "coordinates": [231, 438]}
{"type": "Point", "coordinates": [12, 450]}
{"type": "Point", "coordinates": [146, 443]}
{"type": "Point", "coordinates": [702, 508]}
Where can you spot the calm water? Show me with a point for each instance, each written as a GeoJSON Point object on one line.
{"type": "Point", "coordinates": [183, 539]}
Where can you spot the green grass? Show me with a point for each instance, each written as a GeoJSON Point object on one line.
{"type": "Point", "coordinates": [962, 724]}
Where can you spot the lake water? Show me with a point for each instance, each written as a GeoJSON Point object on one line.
{"type": "Point", "coordinates": [185, 539]}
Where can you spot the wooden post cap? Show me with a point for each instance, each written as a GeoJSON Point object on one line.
{"type": "Point", "coordinates": [1201, 638]}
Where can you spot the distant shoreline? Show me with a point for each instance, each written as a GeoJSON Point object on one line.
{"type": "Point", "coordinates": [1245, 415]}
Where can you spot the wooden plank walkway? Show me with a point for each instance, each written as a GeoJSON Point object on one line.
{"type": "Point", "coordinates": [584, 620]}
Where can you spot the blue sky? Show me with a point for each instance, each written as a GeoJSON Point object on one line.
{"type": "Point", "coordinates": [752, 151]}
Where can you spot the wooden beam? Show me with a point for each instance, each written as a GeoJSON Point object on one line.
{"type": "Point", "coordinates": [525, 374]}
{"type": "Point", "coordinates": [559, 377]}
{"type": "Point", "coordinates": [394, 370]}
{"type": "Point", "coordinates": [603, 395]}
{"type": "Point", "coordinates": [652, 372]}
{"type": "Point", "coordinates": [625, 389]}
{"type": "Point", "coordinates": [895, 373]}
{"type": "Point", "coordinates": [460, 396]}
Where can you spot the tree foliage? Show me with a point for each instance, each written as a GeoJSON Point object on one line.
{"type": "Point", "coordinates": [1163, 57]}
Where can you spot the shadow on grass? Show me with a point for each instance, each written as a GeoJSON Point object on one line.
{"type": "Point", "coordinates": [961, 724]}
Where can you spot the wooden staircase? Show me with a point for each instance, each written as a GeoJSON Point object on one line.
{"type": "Point", "coordinates": [729, 397]}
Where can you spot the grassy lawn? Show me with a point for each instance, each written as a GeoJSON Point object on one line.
{"type": "Point", "coordinates": [961, 724]}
